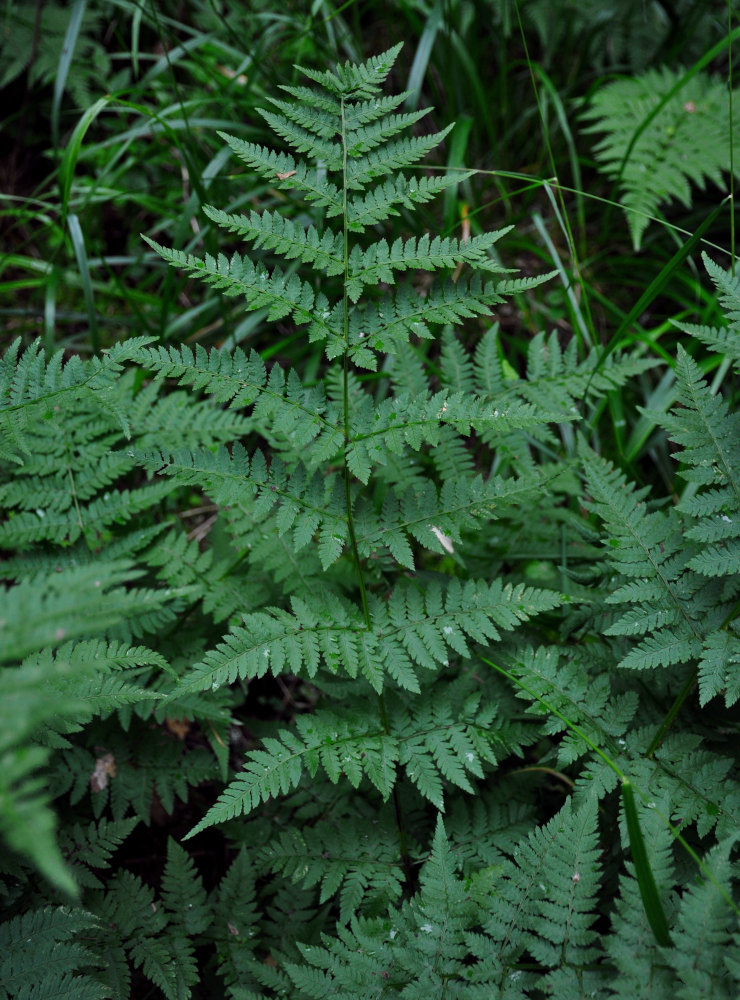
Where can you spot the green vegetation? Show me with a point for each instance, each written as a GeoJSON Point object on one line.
{"type": "Point", "coordinates": [369, 625]}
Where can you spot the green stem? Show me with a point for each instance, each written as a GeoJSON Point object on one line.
{"type": "Point", "coordinates": [402, 840]}
{"type": "Point", "coordinates": [672, 713]}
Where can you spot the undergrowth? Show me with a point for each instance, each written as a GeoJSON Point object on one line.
{"type": "Point", "coordinates": [407, 688]}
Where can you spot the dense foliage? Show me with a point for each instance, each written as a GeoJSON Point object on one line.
{"type": "Point", "coordinates": [395, 653]}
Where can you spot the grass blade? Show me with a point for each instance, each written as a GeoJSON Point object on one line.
{"type": "Point", "coordinates": [65, 61]}
{"type": "Point", "coordinates": [648, 890]}
{"type": "Point", "coordinates": [78, 242]}
{"type": "Point", "coordinates": [72, 151]}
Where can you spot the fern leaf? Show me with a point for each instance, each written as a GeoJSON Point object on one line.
{"type": "Point", "coordinates": [379, 262]}
{"type": "Point", "coordinates": [183, 893]}
{"type": "Point", "coordinates": [719, 667]}
{"type": "Point", "coordinates": [390, 158]}
{"type": "Point", "coordinates": [337, 745]}
{"type": "Point", "coordinates": [274, 232]}
{"type": "Point", "coordinates": [282, 171]}
{"type": "Point", "coordinates": [662, 648]}
{"type": "Point", "coordinates": [431, 748]}
{"type": "Point", "coordinates": [80, 601]}
{"type": "Point", "coordinates": [89, 520]}
{"type": "Point", "coordinates": [400, 421]}
{"type": "Point", "coordinates": [306, 504]}
{"type": "Point", "coordinates": [426, 515]}
{"type": "Point", "coordinates": [326, 632]}
{"type": "Point", "coordinates": [40, 956]}
{"type": "Point", "coordinates": [278, 399]}
{"type": "Point", "coordinates": [378, 203]}
{"type": "Point", "coordinates": [236, 921]}
{"type": "Point", "coordinates": [281, 294]}
{"type": "Point", "coordinates": [698, 958]}
{"type": "Point", "coordinates": [687, 142]}
{"type": "Point", "coordinates": [356, 80]}
{"type": "Point", "coordinates": [304, 140]}
{"type": "Point", "coordinates": [704, 429]}
{"type": "Point", "coordinates": [420, 626]}
{"type": "Point", "coordinates": [351, 858]}
{"type": "Point", "coordinates": [546, 900]}
{"type": "Point", "coordinates": [723, 340]}
{"type": "Point", "coordinates": [92, 848]}
{"type": "Point", "coordinates": [28, 382]}
{"type": "Point", "coordinates": [632, 946]}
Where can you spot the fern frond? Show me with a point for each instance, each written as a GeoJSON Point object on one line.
{"type": "Point", "coordinates": [557, 377]}
{"type": "Point", "coordinates": [47, 948]}
{"type": "Point", "coordinates": [402, 421]}
{"type": "Point", "coordinates": [378, 203]}
{"type": "Point", "coordinates": [545, 899]}
{"type": "Point", "coordinates": [236, 923]}
{"type": "Point", "coordinates": [351, 858]}
{"type": "Point", "coordinates": [698, 959]}
{"type": "Point", "coordinates": [356, 80]}
{"type": "Point", "coordinates": [281, 294]}
{"type": "Point", "coordinates": [29, 382]}
{"type": "Point", "coordinates": [378, 263]}
{"type": "Point", "coordinates": [283, 172]}
{"type": "Point", "coordinates": [418, 628]}
{"type": "Point", "coordinates": [437, 747]}
{"type": "Point", "coordinates": [432, 746]}
{"type": "Point", "coordinates": [170, 964]}
{"type": "Point", "coordinates": [578, 689]}
{"type": "Point", "coordinates": [651, 548]}
{"type": "Point", "coordinates": [129, 908]}
{"type": "Point", "coordinates": [427, 516]}
{"type": "Point", "coordinates": [79, 601]}
{"type": "Point", "coordinates": [78, 673]}
{"type": "Point", "coordinates": [409, 628]}
{"type": "Point", "coordinates": [27, 824]}
{"type": "Point", "coordinates": [180, 419]}
{"type": "Point", "coordinates": [723, 340]}
{"type": "Point", "coordinates": [707, 433]}
{"type": "Point", "coordinates": [65, 526]}
{"type": "Point", "coordinates": [286, 237]}
{"type": "Point", "coordinates": [351, 747]}
{"type": "Point", "coordinates": [183, 893]}
{"type": "Point", "coordinates": [180, 561]}
{"type": "Point", "coordinates": [326, 632]}
{"type": "Point", "coordinates": [687, 142]}
{"type": "Point", "coordinates": [304, 140]}
{"type": "Point", "coordinates": [719, 667]}
{"type": "Point", "coordinates": [370, 135]}
{"type": "Point", "coordinates": [91, 848]}
{"type": "Point", "coordinates": [632, 946]}
{"type": "Point", "coordinates": [358, 113]}
{"type": "Point", "coordinates": [306, 503]}
{"type": "Point", "coordinates": [296, 412]}
{"type": "Point", "coordinates": [388, 159]}
{"type": "Point", "coordinates": [42, 491]}
{"type": "Point", "coordinates": [386, 325]}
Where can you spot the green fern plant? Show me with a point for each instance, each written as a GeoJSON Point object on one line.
{"type": "Point", "coordinates": [331, 438]}
{"type": "Point", "coordinates": [666, 133]}
{"type": "Point", "coordinates": [418, 635]}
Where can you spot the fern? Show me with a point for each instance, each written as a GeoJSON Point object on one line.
{"type": "Point", "coordinates": [664, 133]}
{"type": "Point", "coordinates": [723, 339]}
{"type": "Point", "coordinates": [381, 628]}
{"type": "Point", "coordinates": [40, 956]}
